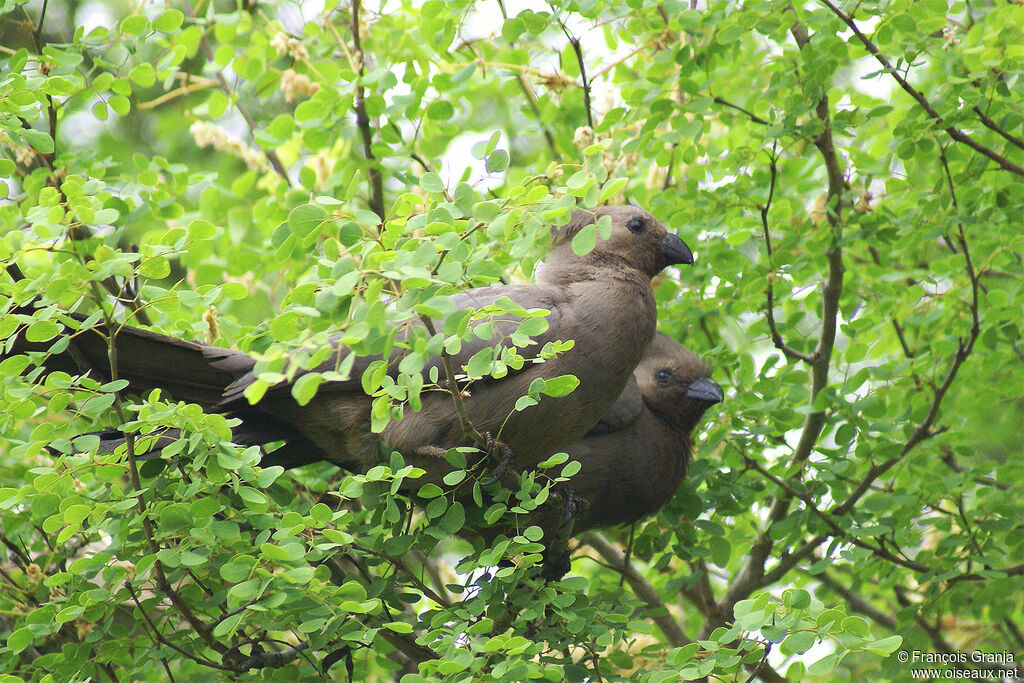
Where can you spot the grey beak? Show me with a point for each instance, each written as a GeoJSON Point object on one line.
{"type": "Point", "coordinates": [675, 250]}
{"type": "Point", "coordinates": [705, 390]}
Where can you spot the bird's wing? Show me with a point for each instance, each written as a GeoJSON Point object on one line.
{"type": "Point", "coordinates": [500, 329]}
{"type": "Point", "coordinates": [623, 413]}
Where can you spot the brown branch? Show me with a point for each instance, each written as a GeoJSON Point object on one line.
{"type": "Point", "coordinates": [950, 461]}
{"type": "Point", "coordinates": [924, 430]}
{"type": "Point", "coordinates": [641, 587]}
{"type": "Point", "coordinates": [952, 131]}
{"type": "Point", "coordinates": [404, 643]}
{"type": "Point", "coordinates": [907, 351]}
{"type": "Point", "coordinates": [752, 572]}
{"type": "Point", "coordinates": [400, 566]}
{"type": "Point", "coordinates": [837, 530]}
{"type": "Point", "coordinates": [124, 294]}
{"type": "Point", "coordinates": [750, 115]}
{"type": "Point", "coordinates": [133, 474]}
{"type": "Point", "coordinates": [363, 122]}
{"type": "Point", "coordinates": [163, 641]}
{"type": "Point", "coordinates": [855, 600]}
{"type": "Point", "coordinates": [531, 99]}
{"type": "Point", "coordinates": [578, 50]}
{"type": "Point", "coordinates": [992, 125]}
{"type": "Point", "coordinates": [935, 635]}
{"type": "Point", "coordinates": [453, 389]}
{"type": "Point", "coordinates": [274, 658]}
{"type": "Point", "coordinates": [781, 345]}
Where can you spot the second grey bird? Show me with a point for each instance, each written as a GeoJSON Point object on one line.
{"type": "Point", "coordinates": [633, 461]}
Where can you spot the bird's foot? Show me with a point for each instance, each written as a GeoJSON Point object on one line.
{"type": "Point", "coordinates": [557, 562]}
{"type": "Point", "coordinates": [572, 502]}
{"type": "Point", "coordinates": [504, 455]}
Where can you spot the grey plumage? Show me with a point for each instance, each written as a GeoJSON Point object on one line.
{"type": "Point", "coordinates": [632, 465]}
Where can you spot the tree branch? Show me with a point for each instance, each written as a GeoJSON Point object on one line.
{"type": "Point", "coordinates": [578, 49]}
{"type": "Point", "coordinates": [641, 587]}
{"type": "Point", "coordinates": [752, 573]}
{"type": "Point", "coordinates": [531, 99]}
{"type": "Point", "coordinates": [750, 115]}
{"type": "Point", "coordinates": [363, 122]}
{"type": "Point", "coordinates": [781, 345]}
{"type": "Point", "coordinates": [993, 126]}
{"type": "Point", "coordinates": [953, 131]}
{"type": "Point", "coordinates": [855, 600]}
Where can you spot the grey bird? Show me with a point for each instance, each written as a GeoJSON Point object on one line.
{"type": "Point", "coordinates": [602, 300]}
{"type": "Point", "coordinates": [634, 459]}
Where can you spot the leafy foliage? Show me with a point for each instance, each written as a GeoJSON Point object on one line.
{"type": "Point", "coordinates": [260, 175]}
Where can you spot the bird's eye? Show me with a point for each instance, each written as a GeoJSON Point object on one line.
{"type": "Point", "coordinates": [636, 226]}
{"type": "Point", "coordinates": [663, 375]}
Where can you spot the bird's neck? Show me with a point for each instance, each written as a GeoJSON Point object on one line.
{"type": "Point", "coordinates": [620, 304]}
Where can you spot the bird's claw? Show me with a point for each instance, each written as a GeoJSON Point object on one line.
{"type": "Point", "coordinates": [504, 455]}
{"type": "Point", "coordinates": [572, 503]}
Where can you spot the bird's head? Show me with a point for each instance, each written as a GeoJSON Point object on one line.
{"type": "Point", "coordinates": [637, 240]}
{"type": "Point", "coordinates": [675, 384]}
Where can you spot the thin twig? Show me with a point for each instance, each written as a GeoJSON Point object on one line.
{"type": "Point", "coordinates": [641, 587]}
{"type": "Point", "coordinates": [953, 131]}
{"type": "Point", "coordinates": [752, 573]}
{"type": "Point", "coordinates": [399, 565]}
{"type": "Point", "coordinates": [855, 600]}
{"type": "Point", "coordinates": [781, 345]}
{"type": "Point", "coordinates": [578, 50]}
{"type": "Point", "coordinates": [531, 100]}
{"type": "Point", "coordinates": [363, 122]}
{"type": "Point", "coordinates": [750, 115]}
{"type": "Point", "coordinates": [453, 388]}
{"type": "Point", "coordinates": [837, 530]}
{"type": "Point", "coordinates": [992, 125]}
{"type": "Point", "coordinates": [133, 476]}
{"type": "Point", "coordinates": [163, 641]}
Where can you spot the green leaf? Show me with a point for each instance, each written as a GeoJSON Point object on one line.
{"type": "Point", "coordinates": [42, 142]}
{"type": "Point", "coordinates": [440, 110]}
{"type": "Point", "coordinates": [453, 478]}
{"type": "Point", "coordinates": [134, 25]}
{"type": "Point", "coordinates": [431, 182]}
{"type": "Point", "coordinates": [42, 330]}
{"type": "Point", "coordinates": [156, 268]}
{"type": "Point", "coordinates": [612, 188]}
{"type": "Point", "coordinates": [856, 626]}
{"type": "Point", "coordinates": [304, 219]}
{"type": "Point", "coordinates": [884, 646]}
{"type": "Point", "coordinates": [824, 665]}
{"type": "Point", "coordinates": [305, 387]}
{"type": "Point", "coordinates": [560, 386]}
{"type": "Point", "coordinates": [168, 21]}
{"type": "Point", "coordinates": [497, 161]}
{"type": "Point", "coordinates": [201, 229]}
{"type": "Point", "coordinates": [798, 598]}
{"type": "Point", "coordinates": [120, 104]}
{"type": "Point", "coordinates": [228, 625]}
{"type": "Point", "coordinates": [798, 643]}
{"type": "Point", "coordinates": [20, 639]}
{"type": "Point", "coordinates": [143, 74]}
{"type": "Point", "coordinates": [585, 240]}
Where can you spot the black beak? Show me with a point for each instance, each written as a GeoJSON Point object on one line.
{"type": "Point", "coordinates": [675, 250]}
{"type": "Point", "coordinates": [705, 390]}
